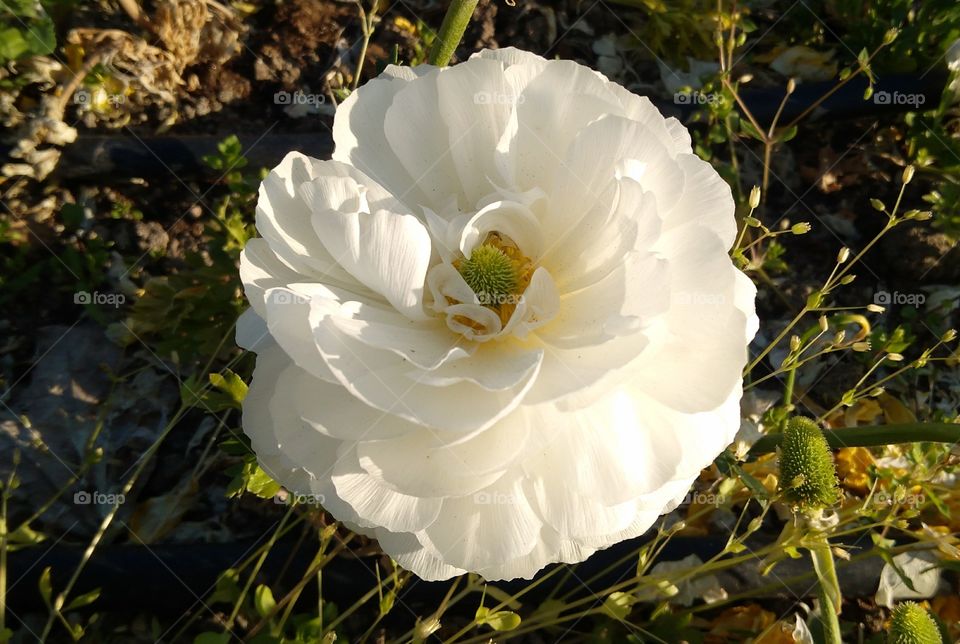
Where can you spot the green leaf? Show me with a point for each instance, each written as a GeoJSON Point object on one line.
{"type": "Point", "coordinates": [502, 620]}
{"type": "Point", "coordinates": [83, 600]}
{"type": "Point", "coordinates": [227, 589]}
{"type": "Point", "coordinates": [231, 384]}
{"type": "Point", "coordinates": [45, 585]}
{"type": "Point", "coordinates": [263, 600]}
{"type": "Point", "coordinates": [746, 127]}
{"type": "Point", "coordinates": [617, 605]}
{"type": "Point", "coordinates": [788, 134]}
{"type": "Point", "coordinates": [259, 483]}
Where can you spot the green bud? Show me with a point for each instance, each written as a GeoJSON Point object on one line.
{"type": "Point", "coordinates": [910, 623]}
{"type": "Point", "coordinates": [808, 477]}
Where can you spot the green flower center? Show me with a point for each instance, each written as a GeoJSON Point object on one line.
{"type": "Point", "coordinates": [491, 274]}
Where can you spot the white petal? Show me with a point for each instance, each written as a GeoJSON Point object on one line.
{"type": "Point", "coordinates": [610, 148]}
{"type": "Point", "coordinates": [378, 503]}
{"type": "Point", "coordinates": [358, 132]}
{"type": "Point", "coordinates": [514, 220]}
{"type": "Point", "coordinates": [706, 201]}
{"type": "Point", "coordinates": [388, 252]}
{"type": "Point", "coordinates": [288, 320]}
{"type": "Point", "coordinates": [696, 361]}
{"type": "Point", "coordinates": [383, 380]}
{"type": "Point", "coordinates": [486, 528]}
{"type": "Point", "coordinates": [630, 296]}
{"type": "Point", "coordinates": [475, 101]}
{"type": "Point", "coordinates": [432, 464]}
{"type": "Point", "coordinates": [412, 127]}
{"type": "Point", "coordinates": [407, 551]}
{"type": "Point", "coordinates": [425, 343]}
{"type": "Point", "coordinates": [252, 331]}
{"type": "Point", "coordinates": [283, 219]}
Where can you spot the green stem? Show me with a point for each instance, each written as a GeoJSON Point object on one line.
{"type": "Point", "coordinates": [873, 436]}
{"type": "Point", "coordinates": [828, 590]}
{"type": "Point", "coordinates": [451, 31]}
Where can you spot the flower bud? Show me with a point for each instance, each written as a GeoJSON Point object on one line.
{"type": "Point", "coordinates": [822, 321]}
{"type": "Point", "coordinates": [843, 255]}
{"type": "Point", "coordinates": [910, 623]}
{"type": "Point", "coordinates": [875, 308]}
{"type": "Point", "coordinates": [908, 174]}
{"type": "Point", "coordinates": [791, 86]}
{"type": "Point", "coordinates": [949, 336]}
{"type": "Point", "coordinates": [860, 347]}
{"type": "Point", "coordinates": [755, 197]}
{"type": "Point", "coordinates": [801, 228]}
{"type": "Point", "coordinates": [895, 357]}
{"type": "Point", "coordinates": [808, 477]}
{"type": "Point", "coordinates": [877, 205]}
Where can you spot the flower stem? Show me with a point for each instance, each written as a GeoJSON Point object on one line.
{"type": "Point", "coordinates": [451, 31]}
{"type": "Point", "coordinates": [873, 436]}
{"type": "Point", "coordinates": [828, 590]}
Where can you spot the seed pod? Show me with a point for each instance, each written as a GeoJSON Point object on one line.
{"type": "Point", "coordinates": [910, 623]}
{"type": "Point", "coordinates": [808, 476]}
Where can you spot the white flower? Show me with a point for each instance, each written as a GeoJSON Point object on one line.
{"type": "Point", "coordinates": [569, 396]}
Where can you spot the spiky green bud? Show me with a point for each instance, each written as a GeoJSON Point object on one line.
{"type": "Point", "coordinates": [490, 273]}
{"type": "Point", "coordinates": [910, 623]}
{"type": "Point", "coordinates": [808, 476]}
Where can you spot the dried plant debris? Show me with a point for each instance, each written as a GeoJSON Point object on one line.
{"type": "Point", "coordinates": [113, 78]}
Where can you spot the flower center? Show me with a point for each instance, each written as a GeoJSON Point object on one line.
{"type": "Point", "coordinates": [498, 272]}
{"type": "Point", "coordinates": [490, 273]}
